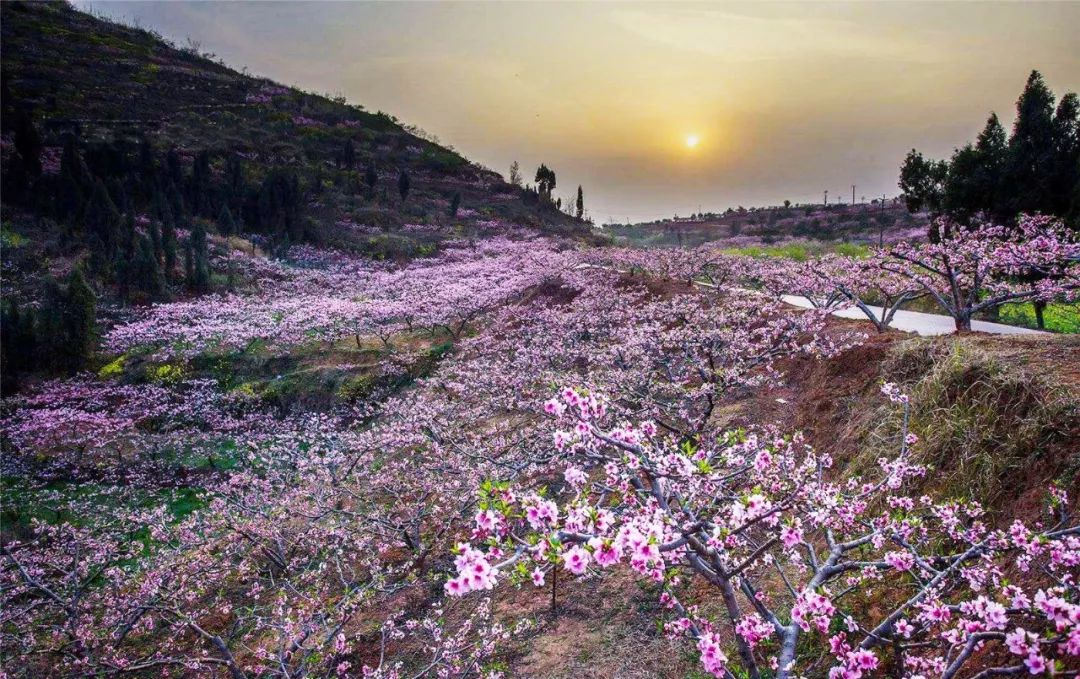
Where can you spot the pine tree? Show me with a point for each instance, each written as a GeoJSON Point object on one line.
{"type": "Point", "coordinates": [455, 204]}
{"type": "Point", "coordinates": [403, 185]}
{"type": "Point", "coordinates": [580, 203]}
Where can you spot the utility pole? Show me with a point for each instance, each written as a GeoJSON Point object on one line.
{"type": "Point", "coordinates": [881, 224]}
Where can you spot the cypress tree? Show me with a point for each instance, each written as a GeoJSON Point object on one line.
{"type": "Point", "coordinates": [78, 317]}
{"type": "Point", "coordinates": [1065, 178]}
{"type": "Point", "coordinates": [371, 177]}
{"type": "Point", "coordinates": [174, 171]}
{"type": "Point", "coordinates": [145, 271]}
{"type": "Point", "coordinates": [455, 203]}
{"type": "Point", "coordinates": [580, 206]}
{"type": "Point", "coordinates": [198, 258]}
{"type": "Point", "coordinates": [73, 180]}
{"type": "Point", "coordinates": [28, 143]}
{"type": "Point", "coordinates": [189, 264]}
{"type": "Point", "coordinates": [349, 154]}
{"type": "Point", "coordinates": [102, 218]}
{"type": "Point", "coordinates": [169, 247]}
{"type": "Point", "coordinates": [227, 227]}
{"type": "Point", "coordinates": [403, 184]}
{"type": "Point", "coordinates": [1031, 149]}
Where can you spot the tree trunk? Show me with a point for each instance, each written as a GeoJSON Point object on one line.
{"type": "Point", "coordinates": [1040, 306]}
{"type": "Point", "coordinates": [963, 322]}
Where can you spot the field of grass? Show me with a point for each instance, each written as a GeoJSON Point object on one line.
{"type": "Point", "coordinates": [1063, 318]}
{"type": "Point", "coordinates": [801, 251]}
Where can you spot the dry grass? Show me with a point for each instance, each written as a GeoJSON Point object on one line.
{"type": "Point", "coordinates": [983, 423]}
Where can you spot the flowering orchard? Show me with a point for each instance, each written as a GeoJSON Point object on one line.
{"type": "Point", "coordinates": [178, 525]}
{"type": "Point", "coordinates": [789, 552]}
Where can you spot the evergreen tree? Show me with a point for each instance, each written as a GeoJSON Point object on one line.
{"type": "Point", "coordinates": [189, 264]}
{"type": "Point", "coordinates": [235, 185]}
{"type": "Point", "coordinates": [545, 182]}
{"type": "Point", "coordinates": [28, 143]}
{"type": "Point", "coordinates": [348, 155]}
{"type": "Point", "coordinates": [226, 223]}
{"type": "Point", "coordinates": [455, 204]}
{"type": "Point", "coordinates": [77, 316]}
{"type": "Point", "coordinates": [102, 219]}
{"type": "Point", "coordinates": [403, 185]}
{"type": "Point", "coordinates": [199, 185]}
{"type": "Point", "coordinates": [169, 247]}
{"type": "Point", "coordinates": [145, 271]}
{"type": "Point", "coordinates": [199, 258]}
{"type": "Point", "coordinates": [74, 180]}
{"type": "Point", "coordinates": [227, 228]}
{"type": "Point", "coordinates": [279, 205]}
{"type": "Point", "coordinates": [1065, 177]}
{"type": "Point", "coordinates": [156, 243]}
{"type": "Point", "coordinates": [17, 345]}
{"type": "Point", "coordinates": [371, 177]}
{"type": "Point", "coordinates": [174, 171]}
{"type": "Point", "coordinates": [580, 203]}
{"type": "Point", "coordinates": [1031, 149]}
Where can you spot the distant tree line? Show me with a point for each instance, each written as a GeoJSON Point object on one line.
{"type": "Point", "coordinates": [1035, 169]}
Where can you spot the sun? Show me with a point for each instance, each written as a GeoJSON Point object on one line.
{"type": "Point", "coordinates": [692, 141]}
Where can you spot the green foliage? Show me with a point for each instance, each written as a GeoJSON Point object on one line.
{"type": "Point", "coordinates": [1035, 170]}
{"type": "Point", "coordinates": [1064, 318]}
{"type": "Point", "coordinates": [114, 368]}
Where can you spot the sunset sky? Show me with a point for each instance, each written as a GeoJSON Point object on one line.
{"type": "Point", "coordinates": [785, 100]}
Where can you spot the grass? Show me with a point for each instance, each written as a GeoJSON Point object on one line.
{"type": "Point", "coordinates": [980, 421]}
{"type": "Point", "coordinates": [1064, 318]}
{"type": "Point", "coordinates": [800, 252]}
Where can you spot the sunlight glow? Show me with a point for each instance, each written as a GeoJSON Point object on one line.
{"type": "Point", "coordinates": [692, 141]}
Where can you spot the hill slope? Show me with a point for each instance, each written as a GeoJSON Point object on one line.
{"type": "Point", "coordinates": [117, 88]}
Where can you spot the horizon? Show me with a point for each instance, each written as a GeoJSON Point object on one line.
{"type": "Point", "coordinates": [610, 95]}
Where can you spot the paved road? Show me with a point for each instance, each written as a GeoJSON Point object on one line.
{"type": "Point", "coordinates": [909, 321]}
{"type": "Point", "coordinates": [919, 322]}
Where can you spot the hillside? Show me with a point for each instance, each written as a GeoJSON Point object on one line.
{"type": "Point", "coordinates": [128, 98]}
